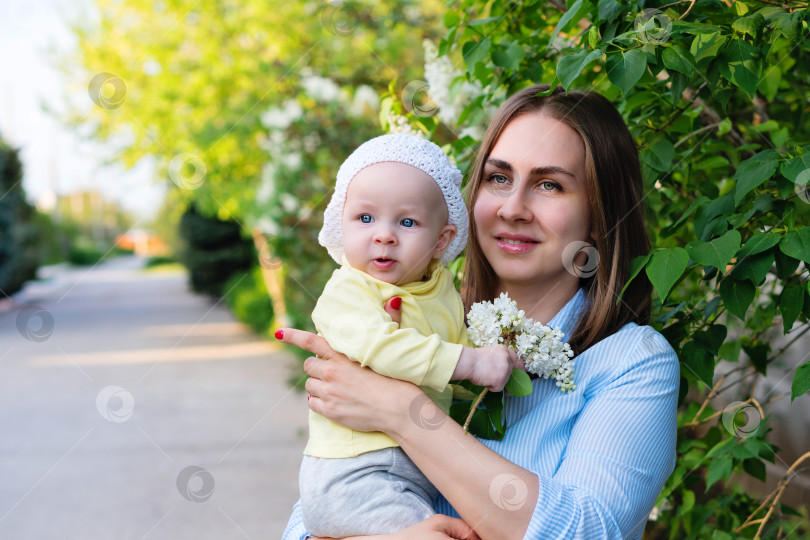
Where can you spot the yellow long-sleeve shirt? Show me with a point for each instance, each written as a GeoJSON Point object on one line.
{"type": "Point", "coordinates": [424, 349]}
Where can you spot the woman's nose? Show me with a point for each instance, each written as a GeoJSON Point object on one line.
{"type": "Point", "coordinates": [513, 206]}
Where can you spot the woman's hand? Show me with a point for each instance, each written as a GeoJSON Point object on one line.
{"type": "Point", "coordinates": [436, 527]}
{"type": "Point", "coordinates": [347, 393]}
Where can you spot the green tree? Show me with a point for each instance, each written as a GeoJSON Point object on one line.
{"type": "Point", "coordinates": [187, 82]}
{"type": "Point", "coordinates": [715, 94]}
{"type": "Point", "coordinates": [19, 226]}
{"type": "Point", "coordinates": [200, 87]}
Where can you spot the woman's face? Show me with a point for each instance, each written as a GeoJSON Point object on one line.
{"type": "Point", "coordinates": [533, 203]}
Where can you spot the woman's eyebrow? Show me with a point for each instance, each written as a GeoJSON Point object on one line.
{"type": "Point", "coordinates": [550, 171]}
{"type": "Point", "coordinates": [500, 164]}
{"type": "Point", "coordinates": [537, 171]}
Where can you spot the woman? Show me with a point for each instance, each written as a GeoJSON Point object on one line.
{"type": "Point", "coordinates": [555, 206]}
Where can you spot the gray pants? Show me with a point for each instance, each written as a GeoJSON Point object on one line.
{"type": "Point", "coordinates": [379, 492]}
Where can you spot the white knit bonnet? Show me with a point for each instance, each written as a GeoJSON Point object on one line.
{"type": "Point", "coordinates": [401, 148]}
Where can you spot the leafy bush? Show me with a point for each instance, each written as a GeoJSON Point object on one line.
{"type": "Point", "coordinates": [249, 300]}
{"type": "Point", "coordinates": [213, 251]}
{"type": "Point", "coordinates": [19, 246]}
{"type": "Point", "coordinates": [715, 95]}
{"type": "Point", "coordinates": [84, 253]}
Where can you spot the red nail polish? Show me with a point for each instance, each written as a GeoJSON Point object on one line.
{"type": "Point", "coordinates": [396, 302]}
{"type": "Point", "coordinates": [279, 334]}
{"type": "Point", "coordinates": [309, 396]}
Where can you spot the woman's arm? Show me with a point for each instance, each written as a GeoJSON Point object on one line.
{"type": "Point", "coordinates": [467, 473]}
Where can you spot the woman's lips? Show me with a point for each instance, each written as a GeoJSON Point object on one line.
{"type": "Point", "coordinates": [383, 264]}
{"type": "Point", "coordinates": [515, 245]}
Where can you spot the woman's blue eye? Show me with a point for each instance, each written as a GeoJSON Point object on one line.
{"type": "Point", "coordinates": [408, 222]}
{"type": "Point", "coordinates": [498, 179]}
{"type": "Point", "coordinates": [365, 218]}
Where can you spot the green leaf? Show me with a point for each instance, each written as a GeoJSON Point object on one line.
{"type": "Point", "coordinates": [718, 252]}
{"type": "Point", "coordinates": [793, 167]}
{"type": "Point", "coordinates": [609, 10]}
{"type": "Point", "coordinates": [700, 201]}
{"type": "Point", "coordinates": [758, 243]}
{"type": "Point", "coordinates": [475, 51]}
{"type": "Point", "coordinates": [519, 383]}
{"type": "Point", "coordinates": [481, 22]}
{"type": "Point", "coordinates": [687, 503]}
{"type": "Point", "coordinates": [571, 65]}
{"type": "Point", "coordinates": [626, 68]}
{"type": "Point", "coordinates": [593, 36]}
{"type": "Point", "coordinates": [698, 362]}
{"type": "Point", "coordinates": [790, 304]}
{"type": "Point", "coordinates": [719, 468]}
{"type": "Point", "coordinates": [754, 171]}
{"type": "Point", "coordinates": [707, 45]}
{"type": "Point", "coordinates": [754, 267]}
{"type": "Point", "coordinates": [574, 13]}
{"type": "Point", "coordinates": [750, 25]}
{"type": "Point", "coordinates": [801, 381]}
{"type": "Point", "coordinates": [712, 338]}
{"type": "Point", "coordinates": [791, 26]}
{"type": "Point", "coordinates": [508, 57]}
{"type": "Point", "coordinates": [737, 295]}
{"type": "Point", "coordinates": [665, 268]}
{"type": "Point", "coordinates": [796, 244]}
{"type": "Point", "coordinates": [740, 65]}
{"type": "Point", "coordinates": [789, 215]}
{"type": "Point", "coordinates": [679, 59]}
{"type": "Point", "coordinates": [710, 214]}
{"type": "Point", "coordinates": [785, 265]}
{"type": "Point", "coordinates": [659, 155]}
{"type": "Point", "coordinates": [635, 267]}
{"type": "Point", "coordinates": [755, 468]}
{"type": "Point", "coordinates": [758, 354]}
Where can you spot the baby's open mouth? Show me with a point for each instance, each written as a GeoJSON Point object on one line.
{"type": "Point", "coordinates": [383, 263]}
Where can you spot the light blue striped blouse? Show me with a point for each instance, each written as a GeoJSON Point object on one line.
{"type": "Point", "coordinates": [603, 452]}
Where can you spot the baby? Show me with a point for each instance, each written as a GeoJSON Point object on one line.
{"type": "Point", "coordinates": [395, 219]}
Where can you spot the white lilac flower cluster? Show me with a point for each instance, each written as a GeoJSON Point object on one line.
{"type": "Point", "coordinates": [541, 348]}
{"type": "Point", "coordinates": [399, 124]}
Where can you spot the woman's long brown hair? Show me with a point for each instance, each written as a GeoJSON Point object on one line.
{"type": "Point", "coordinates": [615, 195]}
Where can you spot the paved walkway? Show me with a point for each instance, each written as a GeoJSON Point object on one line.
{"type": "Point", "coordinates": [132, 409]}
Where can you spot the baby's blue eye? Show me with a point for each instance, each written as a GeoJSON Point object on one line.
{"type": "Point", "coordinates": [365, 218]}
{"type": "Point", "coordinates": [408, 222]}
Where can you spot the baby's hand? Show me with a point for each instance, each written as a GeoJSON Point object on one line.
{"type": "Point", "coordinates": [487, 366]}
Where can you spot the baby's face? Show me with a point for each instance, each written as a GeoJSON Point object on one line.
{"type": "Point", "coordinates": [394, 222]}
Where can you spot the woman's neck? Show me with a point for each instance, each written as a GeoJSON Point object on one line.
{"type": "Point", "coordinates": [540, 303]}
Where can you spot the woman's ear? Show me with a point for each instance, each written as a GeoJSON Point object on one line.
{"type": "Point", "coordinates": [446, 236]}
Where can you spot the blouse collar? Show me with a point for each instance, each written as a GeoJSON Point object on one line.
{"type": "Point", "coordinates": [566, 319]}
